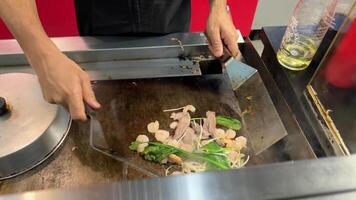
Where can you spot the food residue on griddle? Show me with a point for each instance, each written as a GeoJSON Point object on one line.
{"type": "Point", "coordinates": [194, 144]}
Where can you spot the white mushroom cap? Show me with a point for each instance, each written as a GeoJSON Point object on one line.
{"type": "Point", "coordinates": [190, 108]}
{"type": "Point", "coordinates": [230, 134]}
{"type": "Point", "coordinates": [173, 125]}
{"type": "Point", "coordinates": [219, 133]}
{"type": "Point", "coordinates": [238, 143]}
{"type": "Point", "coordinates": [242, 141]}
{"type": "Point", "coordinates": [161, 135]}
{"type": "Point", "coordinates": [153, 127]}
{"type": "Point", "coordinates": [228, 142]}
{"type": "Point", "coordinates": [142, 138]}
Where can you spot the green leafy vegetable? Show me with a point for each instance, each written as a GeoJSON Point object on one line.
{"type": "Point", "coordinates": [228, 122]}
{"type": "Point", "coordinates": [225, 121]}
{"type": "Point", "coordinates": [134, 145]}
{"type": "Point", "coordinates": [157, 152]}
{"type": "Point", "coordinates": [223, 161]}
{"type": "Point", "coordinates": [212, 147]}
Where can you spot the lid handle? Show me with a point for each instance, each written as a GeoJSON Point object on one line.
{"type": "Point", "coordinates": [3, 106]}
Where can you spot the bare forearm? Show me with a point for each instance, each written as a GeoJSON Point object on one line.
{"type": "Point", "coordinates": [218, 4]}
{"type": "Point", "coordinates": [21, 17]}
{"type": "Point", "coordinates": [220, 30]}
{"type": "Point", "coordinates": [62, 80]}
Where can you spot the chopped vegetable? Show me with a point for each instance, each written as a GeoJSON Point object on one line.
{"type": "Point", "coordinates": [212, 147]}
{"type": "Point", "coordinates": [157, 152]}
{"type": "Point", "coordinates": [143, 139]}
{"type": "Point", "coordinates": [229, 122]}
{"type": "Point", "coordinates": [196, 144]}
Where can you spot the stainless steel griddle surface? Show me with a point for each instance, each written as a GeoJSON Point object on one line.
{"type": "Point", "coordinates": [129, 105]}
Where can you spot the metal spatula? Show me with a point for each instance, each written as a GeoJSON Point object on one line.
{"type": "Point", "coordinates": [98, 142]}
{"type": "Point", "coordinates": [97, 138]}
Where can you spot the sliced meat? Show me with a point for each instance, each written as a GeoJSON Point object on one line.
{"type": "Point", "coordinates": [186, 147]}
{"type": "Point", "coordinates": [183, 124]}
{"type": "Point", "coordinates": [176, 116]}
{"type": "Point", "coordinates": [197, 128]}
{"type": "Point", "coordinates": [205, 125]}
{"type": "Point", "coordinates": [210, 121]}
{"type": "Point", "coordinates": [161, 135]}
{"type": "Point", "coordinates": [189, 136]}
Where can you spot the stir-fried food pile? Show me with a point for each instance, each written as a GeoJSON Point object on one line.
{"type": "Point", "coordinates": [194, 144]}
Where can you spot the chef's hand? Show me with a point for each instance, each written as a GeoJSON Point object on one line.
{"type": "Point", "coordinates": [64, 82]}
{"type": "Point", "coordinates": [220, 30]}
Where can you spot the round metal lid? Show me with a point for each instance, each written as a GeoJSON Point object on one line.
{"type": "Point", "coordinates": [31, 129]}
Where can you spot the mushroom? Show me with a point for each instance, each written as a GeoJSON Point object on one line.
{"type": "Point", "coordinates": [228, 143]}
{"type": "Point", "coordinates": [190, 108]}
{"type": "Point", "coordinates": [153, 127]}
{"type": "Point", "coordinates": [141, 147]}
{"type": "Point", "coordinates": [227, 137]}
{"type": "Point", "coordinates": [242, 141]}
{"type": "Point", "coordinates": [144, 139]}
{"type": "Point", "coordinates": [161, 135]}
{"type": "Point", "coordinates": [219, 133]}
{"type": "Point", "coordinates": [238, 143]}
{"type": "Point", "coordinates": [175, 159]}
{"type": "Point", "coordinates": [230, 134]}
{"type": "Point", "coordinates": [173, 125]}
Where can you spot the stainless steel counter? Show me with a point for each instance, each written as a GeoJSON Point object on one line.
{"type": "Point", "coordinates": [331, 178]}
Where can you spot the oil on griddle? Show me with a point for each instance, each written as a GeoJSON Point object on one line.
{"type": "Point", "coordinates": [129, 105]}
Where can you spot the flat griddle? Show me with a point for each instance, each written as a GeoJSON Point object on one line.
{"type": "Point", "coordinates": [129, 105]}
